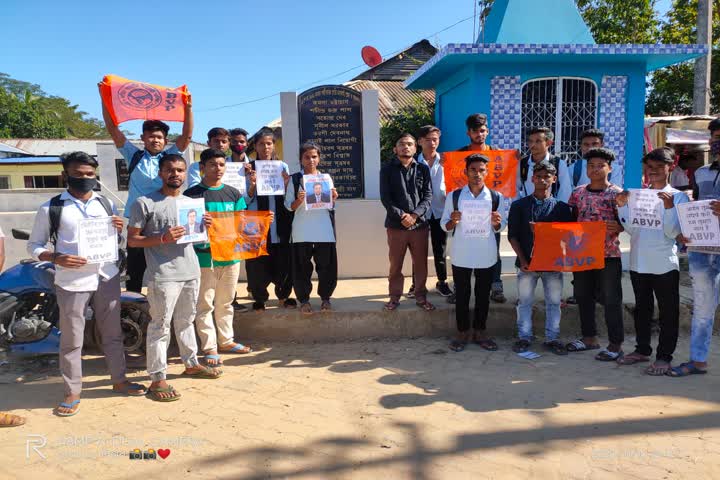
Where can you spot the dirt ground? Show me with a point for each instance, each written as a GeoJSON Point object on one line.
{"type": "Point", "coordinates": [368, 409]}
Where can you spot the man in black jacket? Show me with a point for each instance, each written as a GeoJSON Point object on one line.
{"type": "Point", "coordinates": [406, 193]}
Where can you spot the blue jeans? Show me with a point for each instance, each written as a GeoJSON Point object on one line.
{"type": "Point", "coordinates": [705, 273]}
{"type": "Point", "coordinates": [552, 287]}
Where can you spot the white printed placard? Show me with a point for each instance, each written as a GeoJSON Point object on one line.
{"type": "Point", "coordinates": [318, 191]}
{"type": "Point", "coordinates": [699, 224]}
{"type": "Point", "coordinates": [235, 175]}
{"type": "Point", "coordinates": [190, 213]}
{"type": "Point", "coordinates": [475, 219]}
{"type": "Point", "coordinates": [269, 177]}
{"type": "Point", "coordinates": [97, 240]}
{"type": "Point", "coordinates": [646, 209]}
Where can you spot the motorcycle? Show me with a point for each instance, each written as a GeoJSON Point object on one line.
{"type": "Point", "coordinates": [29, 313]}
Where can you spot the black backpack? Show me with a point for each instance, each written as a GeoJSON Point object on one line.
{"type": "Point", "coordinates": [55, 213]}
{"type": "Point", "coordinates": [296, 179]}
{"type": "Point", "coordinates": [494, 196]}
{"type": "Point", "coordinates": [525, 168]}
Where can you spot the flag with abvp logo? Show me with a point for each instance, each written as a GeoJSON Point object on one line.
{"type": "Point", "coordinates": [568, 246]}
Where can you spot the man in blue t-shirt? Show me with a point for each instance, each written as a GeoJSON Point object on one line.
{"type": "Point", "coordinates": [143, 167]}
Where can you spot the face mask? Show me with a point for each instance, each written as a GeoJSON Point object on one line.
{"type": "Point", "coordinates": [715, 148]}
{"type": "Point", "coordinates": [239, 149]}
{"type": "Point", "coordinates": [82, 185]}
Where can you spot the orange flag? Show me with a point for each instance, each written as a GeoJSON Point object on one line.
{"type": "Point", "coordinates": [502, 171]}
{"type": "Point", "coordinates": [130, 100]}
{"type": "Point", "coordinates": [239, 235]}
{"type": "Point", "coordinates": [568, 247]}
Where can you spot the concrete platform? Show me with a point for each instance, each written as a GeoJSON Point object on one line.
{"type": "Point", "coordinates": [358, 314]}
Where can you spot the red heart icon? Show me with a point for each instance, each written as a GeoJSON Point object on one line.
{"type": "Point", "coordinates": [164, 453]}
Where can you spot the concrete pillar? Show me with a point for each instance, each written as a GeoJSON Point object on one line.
{"type": "Point", "coordinates": [701, 90]}
{"type": "Point", "coordinates": [290, 130]}
{"type": "Point", "coordinates": [371, 143]}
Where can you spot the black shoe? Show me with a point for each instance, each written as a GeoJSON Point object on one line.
{"type": "Point", "coordinates": [521, 346]}
{"type": "Point", "coordinates": [451, 299]}
{"type": "Point", "coordinates": [498, 296]}
{"type": "Point", "coordinates": [258, 306]}
{"type": "Point", "coordinates": [571, 300]}
{"type": "Point", "coordinates": [411, 292]}
{"type": "Point", "coordinates": [289, 303]}
{"type": "Point", "coordinates": [238, 307]}
{"type": "Point", "coordinates": [443, 289]}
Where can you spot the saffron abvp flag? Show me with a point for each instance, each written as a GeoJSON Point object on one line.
{"type": "Point", "coordinates": [501, 176]}
{"type": "Point", "coordinates": [239, 235]}
{"type": "Point", "coordinates": [568, 247]}
{"type": "Point", "coordinates": [130, 100]}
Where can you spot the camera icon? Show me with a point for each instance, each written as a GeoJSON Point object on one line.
{"type": "Point", "coordinates": [149, 455]}
{"type": "Point", "coordinates": [136, 454]}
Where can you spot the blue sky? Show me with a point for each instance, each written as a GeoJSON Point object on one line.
{"type": "Point", "coordinates": [227, 52]}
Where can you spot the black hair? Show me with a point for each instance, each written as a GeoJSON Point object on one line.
{"type": "Point", "coordinates": [714, 125]}
{"type": "Point", "coordinates": [476, 120]}
{"type": "Point", "coordinates": [602, 153]}
{"type": "Point", "coordinates": [77, 157]}
{"type": "Point", "coordinates": [593, 132]}
{"type": "Point", "coordinates": [549, 135]}
{"type": "Point", "coordinates": [309, 146]}
{"type": "Point", "coordinates": [210, 153]}
{"type": "Point", "coordinates": [406, 135]}
{"type": "Point", "coordinates": [238, 131]}
{"type": "Point", "coordinates": [155, 126]}
{"type": "Point", "coordinates": [545, 166]}
{"type": "Point", "coordinates": [475, 157]}
{"type": "Point", "coordinates": [170, 157]}
{"type": "Point", "coordinates": [316, 184]}
{"type": "Point", "coordinates": [192, 210]}
{"type": "Point", "coordinates": [217, 132]}
{"type": "Point", "coordinates": [662, 154]}
{"type": "Point", "coordinates": [264, 132]}
{"type": "Point", "coordinates": [427, 130]}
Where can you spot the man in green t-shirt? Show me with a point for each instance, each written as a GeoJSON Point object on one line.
{"type": "Point", "coordinates": [218, 279]}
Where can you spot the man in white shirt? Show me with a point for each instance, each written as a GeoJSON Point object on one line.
{"type": "Point", "coordinates": [540, 140]}
{"type": "Point", "coordinates": [78, 282]}
{"type": "Point", "coordinates": [589, 139]}
{"type": "Point", "coordinates": [473, 251]}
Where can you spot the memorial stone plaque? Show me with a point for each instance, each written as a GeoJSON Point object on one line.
{"type": "Point", "coordinates": [331, 116]}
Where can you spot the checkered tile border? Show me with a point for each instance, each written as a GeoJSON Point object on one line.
{"type": "Point", "coordinates": [613, 118]}
{"type": "Point", "coordinates": [505, 111]}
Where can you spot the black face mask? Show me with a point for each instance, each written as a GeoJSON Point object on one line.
{"type": "Point", "coordinates": [81, 185]}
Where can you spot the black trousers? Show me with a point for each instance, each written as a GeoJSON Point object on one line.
{"type": "Point", "coordinates": [135, 269]}
{"type": "Point", "coordinates": [497, 285]}
{"type": "Point", "coordinates": [666, 288]}
{"type": "Point", "coordinates": [275, 268]}
{"type": "Point", "coordinates": [463, 278]}
{"type": "Point", "coordinates": [325, 256]}
{"type": "Point", "coordinates": [587, 284]}
{"type": "Point", "coordinates": [438, 241]}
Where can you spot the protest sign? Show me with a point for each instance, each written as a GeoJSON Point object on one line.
{"type": "Point", "coordinates": [501, 176]}
{"type": "Point", "coordinates": [699, 224]}
{"type": "Point", "coordinates": [97, 240]}
{"type": "Point", "coordinates": [646, 209]}
{"type": "Point", "coordinates": [318, 191]}
{"type": "Point", "coordinates": [269, 177]}
{"type": "Point", "coordinates": [568, 246]}
{"type": "Point", "coordinates": [235, 175]}
{"type": "Point", "coordinates": [239, 235]}
{"type": "Point", "coordinates": [475, 220]}
{"type": "Point", "coordinates": [130, 100]}
{"type": "Point", "coordinates": [189, 215]}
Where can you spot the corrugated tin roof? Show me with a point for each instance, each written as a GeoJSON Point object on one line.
{"type": "Point", "coordinates": [28, 160]}
{"type": "Point", "coordinates": [4, 147]}
{"type": "Point", "coordinates": [399, 67]}
{"type": "Point", "coordinates": [392, 96]}
{"type": "Point", "coordinates": [54, 146]}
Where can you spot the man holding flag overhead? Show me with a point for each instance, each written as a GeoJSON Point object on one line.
{"type": "Point", "coordinates": [143, 166]}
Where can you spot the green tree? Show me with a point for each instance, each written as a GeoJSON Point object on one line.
{"type": "Point", "coordinates": [671, 88]}
{"type": "Point", "coordinates": [407, 119]}
{"type": "Point", "coordinates": [620, 21]}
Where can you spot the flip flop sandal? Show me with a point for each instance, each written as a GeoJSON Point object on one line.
{"type": "Point", "coordinates": [658, 368]}
{"type": "Point", "coordinates": [306, 309]}
{"type": "Point", "coordinates": [632, 359]}
{"type": "Point", "coordinates": [72, 406]}
{"type": "Point", "coordinates": [684, 370]}
{"type": "Point", "coordinates": [206, 372]}
{"type": "Point", "coordinates": [239, 348]}
{"type": "Point", "coordinates": [426, 306]}
{"type": "Point", "coordinates": [555, 347]}
{"type": "Point", "coordinates": [457, 346]}
{"type": "Point", "coordinates": [10, 420]}
{"type": "Point", "coordinates": [521, 346]}
{"type": "Point", "coordinates": [580, 346]}
{"type": "Point", "coordinates": [608, 356]}
{"type": "Point", "coordinates": [290, 303]}
{"type": "Point", "coordinates": [326, 306]}
{"type": "Point", "coordinates": [218, 361]}
{"type": "Point", "coordinates": [137, 390]}
{"type": "Point", "coordinates": [391, 306]}
{"type": "Point", "coordinates": [488, 344]}
{"type": "Point", "coordinates": [153, 394]}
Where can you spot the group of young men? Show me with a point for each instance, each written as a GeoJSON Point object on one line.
{"type": "Point", "coordinates": [188, 288]}
{"type": "Point", "coordinates": [549, 190]}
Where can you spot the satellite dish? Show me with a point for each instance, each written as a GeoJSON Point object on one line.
{"type": "Point", "coordinates": [371, 56]}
